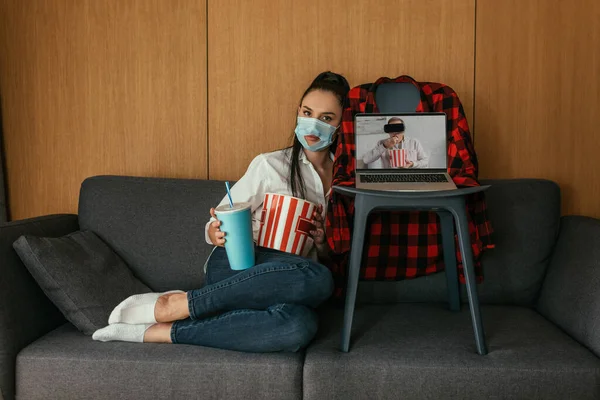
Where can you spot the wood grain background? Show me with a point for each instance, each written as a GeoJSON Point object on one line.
{"type": "Point", "coordinates": [95, 87]}
{"type": "Point", "coordinates": [537, 95]}
{"type": "Point", "coordinates": [197, 88]}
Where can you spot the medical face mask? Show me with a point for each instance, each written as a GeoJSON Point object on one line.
{"type": "Point", "coordinates": [312, 126]}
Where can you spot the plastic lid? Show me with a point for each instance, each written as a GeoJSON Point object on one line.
{"type": "Point", "coordinates": [224, 209]}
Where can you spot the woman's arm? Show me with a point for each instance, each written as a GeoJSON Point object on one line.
{"type": "Point", "coordinates": [250, 188]}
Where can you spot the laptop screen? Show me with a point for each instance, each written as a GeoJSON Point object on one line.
{"type": "Point", "coordinates": [401, 141]}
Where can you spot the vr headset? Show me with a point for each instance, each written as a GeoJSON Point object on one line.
{"type": "Point", "coordinates": [393, 128]}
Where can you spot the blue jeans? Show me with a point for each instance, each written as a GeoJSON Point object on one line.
{"type": "Point", "coordinates": [266, 308]}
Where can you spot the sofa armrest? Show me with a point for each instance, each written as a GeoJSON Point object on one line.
{"type": "Point", "coordinates": [25, 312]}
{"type": "Point", "coordinates": [570, 295]}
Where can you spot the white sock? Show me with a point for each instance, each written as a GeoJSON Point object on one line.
{"type": "Point", "coordinates": [137, 309]}
{"type": "Point", "coordinates": [122, 332]}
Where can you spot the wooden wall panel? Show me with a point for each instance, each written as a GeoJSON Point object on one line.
{"type": "Point", "coordinates": [99, 87]}
{"type": "Point", "coordinates": [537, 95]}
{"type": "Point", "coordinates": [262, 54]}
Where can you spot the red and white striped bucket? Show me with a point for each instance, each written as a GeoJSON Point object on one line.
{"type": "Point", "coordinates": [285, 224]}
{"type": "Point", "coordinates": [397, 158]}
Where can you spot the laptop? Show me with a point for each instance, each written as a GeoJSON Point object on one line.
{"type": "Point", "coordinates": [402, 152]}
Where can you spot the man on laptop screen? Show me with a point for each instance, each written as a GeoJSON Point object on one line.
{"type": "Point", "coordinates": [413, 156]}
{"type": "Point", "coordinates": [402, 152]}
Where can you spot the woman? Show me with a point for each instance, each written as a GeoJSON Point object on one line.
{"type": "Point", "coordinates": [268, 307]}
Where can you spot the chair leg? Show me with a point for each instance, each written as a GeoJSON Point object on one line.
{"type": "Point", "coordinates": [360, 223]}
{"type": "Point", "coordinates": [447, 224]}
{"type": "Point", "coordinates": [462, 228]}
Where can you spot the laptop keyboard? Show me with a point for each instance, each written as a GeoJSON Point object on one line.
{"type": "Point", "coordinates": [402, 178]}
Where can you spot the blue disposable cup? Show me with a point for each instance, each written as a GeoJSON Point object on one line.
{"type": "Point", "coordinates": [236, 222]}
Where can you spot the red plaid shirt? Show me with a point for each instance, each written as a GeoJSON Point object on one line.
{"type": "Point", "coordinates": [404, 245]}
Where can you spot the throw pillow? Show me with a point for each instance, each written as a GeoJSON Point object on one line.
{"type": "Point", "coordinates": [80, 274]}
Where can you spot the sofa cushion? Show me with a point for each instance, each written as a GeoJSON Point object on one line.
{"type": "Point", "coordinates": [525, 216]}
{"type": "Point", "coordinates": [423, 351]}
{"type": "Point", "coordinates": [156, 225]}
{"type": "Point", "coordinates": [65, 364]}
{"type": "Point", "coordinates": [571, 293]}
{"type": "Point", "coordinates": [80, 274]}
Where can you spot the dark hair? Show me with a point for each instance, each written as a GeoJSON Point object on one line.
{"type": "Point", "coordinates": [328, 82]}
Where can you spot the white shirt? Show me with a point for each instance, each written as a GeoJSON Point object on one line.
{"type": "Point", "coordinates": [414, 153]}
{"type": "Point", "coordinates": [270, 173]}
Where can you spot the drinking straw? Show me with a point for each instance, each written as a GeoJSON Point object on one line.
{"type": "Point", "coordinates": [229, 194]}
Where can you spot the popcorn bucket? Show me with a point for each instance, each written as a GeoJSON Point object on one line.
{"type": "Point", "coordinates": [285, 224]}
{"type": "Point", "coordinates": [397, 158]}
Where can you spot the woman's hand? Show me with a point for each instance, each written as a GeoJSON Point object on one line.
{"type": "Point", "coordinates": [214, 231]}
{"type": "Point", "coordinates": [318, 234]}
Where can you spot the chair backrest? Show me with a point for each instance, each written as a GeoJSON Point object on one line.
{"type": "Point", "coordinates": [397, 97]}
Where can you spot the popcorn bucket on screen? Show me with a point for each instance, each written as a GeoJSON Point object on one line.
{"type": "Point", "coordinates": [285, 224]}
{"type": "Point", "coordinates": [398, 158]}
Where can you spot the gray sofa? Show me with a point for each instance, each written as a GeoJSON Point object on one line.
{"type": "Point", "coordinates": [540, 307]}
